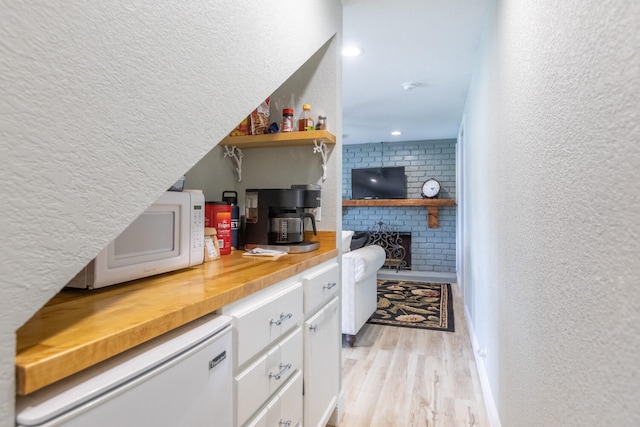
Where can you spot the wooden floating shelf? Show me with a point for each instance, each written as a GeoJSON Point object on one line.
{"type": "Point", "coordinates": [432, 206]}
{"type": "Point", "coordinates": [281, 139]}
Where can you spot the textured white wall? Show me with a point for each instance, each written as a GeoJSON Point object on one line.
{"type": "Point", "coordinates": [282, 167]}
{"type": "Point", "coordinates": [103, 106]}
{"type": "Point", "coordinates": [553, 205]}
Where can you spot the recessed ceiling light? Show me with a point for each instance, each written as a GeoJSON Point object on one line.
{"type": "Point", "coordinates": [352, 51]}
{"type": "Point", "coordinates": [396, 133]}
{"type": "Point", "coordinates": [409, 86]}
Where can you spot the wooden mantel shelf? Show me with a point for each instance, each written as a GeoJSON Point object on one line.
{"type": "Point", "coordinates": [432, 206]}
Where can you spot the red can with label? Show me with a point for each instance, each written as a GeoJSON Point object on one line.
{"type": "Point", "coordinates": [218, 216]}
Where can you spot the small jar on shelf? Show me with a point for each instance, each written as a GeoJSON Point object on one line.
{"type": "Point", "coordinates": [287, 120]}
{"type": "Point", "coordinates": [322, 123]}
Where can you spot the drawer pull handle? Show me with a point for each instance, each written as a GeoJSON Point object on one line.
{"type": "Point", "coordinates": [329, 285]}
{"type": "Point", "coordinates": [283, 368]}
{"type": "Point", "coordinates": [282, 318]}
{"type": "Point", "coordinates": [284, 423]}
{"type": "Point", "coordinates": [313, 327]}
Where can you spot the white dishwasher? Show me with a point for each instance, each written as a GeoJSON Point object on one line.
{"type": "Point", "coordinates": [183, 378]}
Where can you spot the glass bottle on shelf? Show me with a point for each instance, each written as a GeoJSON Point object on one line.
{"type": "Point", "coordinates": [305, 122]}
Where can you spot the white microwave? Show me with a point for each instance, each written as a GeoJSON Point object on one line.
{"type": "Point", "coordinates": [168, 236]}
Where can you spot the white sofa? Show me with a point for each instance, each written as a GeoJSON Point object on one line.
{"type": "Point", "coordinates": [359, 275]}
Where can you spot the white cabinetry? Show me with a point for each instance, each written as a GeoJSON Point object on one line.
{"type": "Point", "coordinates": [287, 351]}
{"type": "Point", "coordinates": [261, 379]}
{"type": "Point", "coordinates": [285, 409]}
{"type": "Point", "coordinates": [268, 340]}
{"type": "Point", "coordinates": [322, 344]}
{"type": "Point", "coordinates": [321, 364]}
{"type": "Point", "coordinates": [262, 320]}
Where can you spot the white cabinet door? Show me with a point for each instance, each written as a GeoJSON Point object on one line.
{"type": "Point", "coordinates": [322, 344]}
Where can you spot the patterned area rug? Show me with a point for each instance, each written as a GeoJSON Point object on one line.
{"type": "Point", "coordinates": [414, 305]}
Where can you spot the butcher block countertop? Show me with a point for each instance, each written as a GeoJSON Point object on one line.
{"type": "Point", "coordinates": [79, 328]}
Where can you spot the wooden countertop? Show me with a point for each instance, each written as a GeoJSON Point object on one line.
{"type": "Point", "coordinates": [79, 328]}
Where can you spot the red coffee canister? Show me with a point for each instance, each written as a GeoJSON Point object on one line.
{"type": "Point", "coordinates": [218, 216]}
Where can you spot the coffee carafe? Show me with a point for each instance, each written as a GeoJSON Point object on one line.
{"type": "Point", "coordinates": [288, 228]}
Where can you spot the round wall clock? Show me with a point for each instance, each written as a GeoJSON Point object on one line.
{"type": "Point", "coordinates": [430, 188]}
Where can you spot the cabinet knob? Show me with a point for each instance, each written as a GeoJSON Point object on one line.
{"type": "Point", "coordinates": [313, 326]}
{"type": "Point", "coordinates": [284, 423]}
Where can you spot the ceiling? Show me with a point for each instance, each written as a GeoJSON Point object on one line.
{"type": "Point", "coordinates": [431, 43]}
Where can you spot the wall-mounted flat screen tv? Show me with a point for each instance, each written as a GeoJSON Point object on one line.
{"type": "Point", "coordinates": [379, 183]}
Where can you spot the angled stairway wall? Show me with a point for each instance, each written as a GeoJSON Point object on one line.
{"type": "Point", "coordinates": [104, 106]}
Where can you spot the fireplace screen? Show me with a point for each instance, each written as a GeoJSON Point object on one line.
{"type": "Point", "coordinates": [396, 245]}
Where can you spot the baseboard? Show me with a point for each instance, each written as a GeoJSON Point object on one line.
{"type": "Point", "coordinates": [419, 276]}
{"type": "Point", "coordinates": [489, 402]}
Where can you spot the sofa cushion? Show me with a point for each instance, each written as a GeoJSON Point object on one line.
{"type": "Point", "coordinates": [359, 240]}
{"type": "Point", "coordinates": [346, 240]}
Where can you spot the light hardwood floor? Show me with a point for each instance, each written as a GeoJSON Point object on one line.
{"type": "Point", "coordinates": [401, 377]}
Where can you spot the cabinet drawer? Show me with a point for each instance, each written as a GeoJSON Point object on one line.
{"type": "Point", "coordinates": [285, 410]}
{"type": "Point", "coordinates": [261, 322]}
{"type": "Point", "coordinates": [256, 384]}
{"type": "Point", "coordinates": [320, 286]}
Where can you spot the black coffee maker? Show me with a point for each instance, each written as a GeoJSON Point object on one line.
{"type": "Point", "coordinates": [275, 218]}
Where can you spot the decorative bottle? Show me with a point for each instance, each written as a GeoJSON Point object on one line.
{"type": "Point", "coordinates": [305, 122]}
